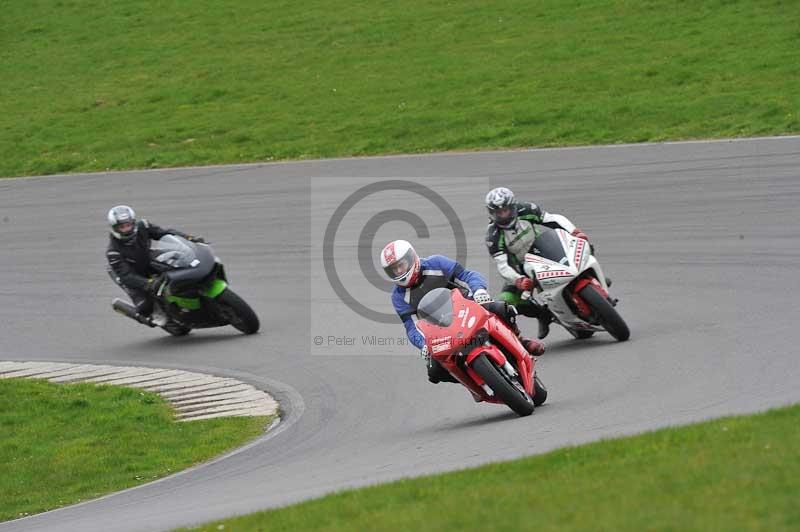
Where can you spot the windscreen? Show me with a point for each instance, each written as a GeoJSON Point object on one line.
{"type": "Point", "coordinates": [548, 245]}
{"type": "Point", "coordinates": [173, 251]}
{"type": "Point", "coordinates": [436, 307]}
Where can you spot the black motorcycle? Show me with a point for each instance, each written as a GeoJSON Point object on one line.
{"type": "Point", "coordinates": [195, 293]}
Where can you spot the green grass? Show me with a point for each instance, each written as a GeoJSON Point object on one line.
{"type": "Point", "coordinates": [93, 85]}
{"type": "Point", "coordinates": [739, 473]}
{"type": "Point", "coordinates": [62, 444]}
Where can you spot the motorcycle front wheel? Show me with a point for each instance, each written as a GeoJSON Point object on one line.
{"type": "Point", "coordinates": [517, 400]}
{"type": "Point", "coordinates": [606, 314]}
{"type": "Point", "coordinates": [540, 395]}
{"type": "Point", "coordinates": [236, 311]}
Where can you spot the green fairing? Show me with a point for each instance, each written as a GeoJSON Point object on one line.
{"type": "Point", "coordinates": [216, 288]}
{"type": "Point", "coordinates": [510, 298]}
{"type": "Point", "coordinates": [192, 303]}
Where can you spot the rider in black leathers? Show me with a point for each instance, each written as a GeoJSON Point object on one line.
{"type": "Point", "coordinates": [128, 256]}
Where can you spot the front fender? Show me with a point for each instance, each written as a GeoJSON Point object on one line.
{"type": "Point", "coordinates": [492, 352]}
{"type": "Point", "coordinates": [584, 311]}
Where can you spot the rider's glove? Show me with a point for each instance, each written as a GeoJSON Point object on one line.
{"type": "Point", "coordinates": [424, 354]}
{"type": "Point", "coordinates": [154, 284]}
{"type": "Point", "coordinates": [525, 284]}
{"type": "Point", "coordinates": [580, 234]}
{"type": "Point", "coordinates": [481, 296]}
{"type": "Point", "coordinates": [196, 239]}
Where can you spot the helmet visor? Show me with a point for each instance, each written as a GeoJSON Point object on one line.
{"type": "Point", "coordinates": [402, 267]}
{"type": "Point", "coordinates": [503, 216]}
{"type": "Point", "coordinates": [125, 228]}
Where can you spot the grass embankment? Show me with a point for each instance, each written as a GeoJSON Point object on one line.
{"type": "Point", "coordinates": [97, 85]}
{"type": "Point", "coordinates": [740, 473]}
{"type": "Point", "coordinates": [62, 444]}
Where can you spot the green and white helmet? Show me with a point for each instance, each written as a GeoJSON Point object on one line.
{"type": "Point", "coordinates": [502, 207]}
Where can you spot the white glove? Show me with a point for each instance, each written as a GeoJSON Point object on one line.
{"type": "Point", "coordinates": [424, 354]}
{"type": "Point", "coordinates": [481, 296]}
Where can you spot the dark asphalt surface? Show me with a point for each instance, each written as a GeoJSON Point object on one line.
{"type": "Point", "coordinates": [700, 238]}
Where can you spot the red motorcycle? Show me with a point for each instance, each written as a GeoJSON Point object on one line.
{"type": "Point", "coordinates": [480, 351]}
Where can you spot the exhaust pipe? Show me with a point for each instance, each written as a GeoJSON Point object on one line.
{"type": "Point", "coordinates": [128, 310]}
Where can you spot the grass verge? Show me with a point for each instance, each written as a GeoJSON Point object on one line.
{"type": "Point", "coordinates": [62, 444]}
{"type": "Point", "coordinates": [96, 85]}
{"type": "Point", "coordinates": [737, 473]}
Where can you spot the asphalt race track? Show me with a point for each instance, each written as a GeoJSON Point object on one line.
{"type": "Point", "coordinates": [701, 240]}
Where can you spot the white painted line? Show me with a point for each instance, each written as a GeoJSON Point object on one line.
{"type": "Point", "coordinates": [68, 369]}
{"type": "Point", "coordinates": [35, 370]}
{"type": "Point", "coordinates": [7, 366]}
{"type": "Point", "coordinates": [193, 395]}
{"type": "Point", "coordinates": [252, 402]}
{"type": "Point", "coordinates": [245, 412]}
{"type": "Point", "coordinates": [172, 383]}
{"type": "Point", "coordinates": [210, 394]}
{"type": "Point", "coordinates": [126, 377]}
{"type": "Point", "coordinates": [220, 397]}
{"type": "Point", "coordinates": [255, 395]}
{"type": "Point", "coordinates": [222, 387]}
{"type": "Point", "coordinates": [229, 408]}
{"type": "Point", "coordinates": [137, 375]}
{"type": "Point", "coordinates": [84, 374]}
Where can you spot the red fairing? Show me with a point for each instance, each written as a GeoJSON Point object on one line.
{"type": "Point", "coordinates": [444, 344]}
{"type": "Point", "coordinates": [583, 309]}
{"type": "Point", "coordinates": [500, 333]}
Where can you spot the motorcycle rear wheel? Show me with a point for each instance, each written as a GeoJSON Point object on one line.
{"type": "Point", "coordinates": [606, 314]}
{"type": "Point", "coordinates": [516, 400]}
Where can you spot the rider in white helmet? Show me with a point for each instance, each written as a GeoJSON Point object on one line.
{"type": "Point", "coordinates": [129, 260]}
{"type": "Point", "coordinates": [509, 237]}
{"type": "Point", "coordinates": [414, 277]}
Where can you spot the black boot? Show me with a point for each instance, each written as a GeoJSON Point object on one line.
{"type": "Point", "coordinates": [541, 313]}
{"type": "Point", "coordinates": [437, 374]}
{"type": "Point", "coordinates": [544, 324]}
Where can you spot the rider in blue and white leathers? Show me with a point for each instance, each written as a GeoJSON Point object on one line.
{"type": "Point", "coordinates": [435, 271]}
{"type": "Point", "coordinates": [415, 277]}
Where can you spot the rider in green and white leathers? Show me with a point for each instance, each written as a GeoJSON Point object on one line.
{"type": "Point", "coordinates": [511, 235]}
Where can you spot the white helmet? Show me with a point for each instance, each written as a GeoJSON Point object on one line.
{"type": "Point", "coordinates": [122, 220]}
{"type": "Point", "coordinates": [401, 263]}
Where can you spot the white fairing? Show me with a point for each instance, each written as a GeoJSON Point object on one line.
{"type": "Point", "coordinates": [553, 277]}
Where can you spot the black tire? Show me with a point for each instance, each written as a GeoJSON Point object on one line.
{"type": "Point", "coordinates": [176, 330]}
{"type": "Point", "coordinates": [605, 313]}
{"type": "Point", "coordinates": [238, 312]}
{"type": "Point", "coordinates": [540, 395]}
{"type": "Point", "coordinates": [581, 334]}
{"type": "Point", "coordinates": [517, 400]}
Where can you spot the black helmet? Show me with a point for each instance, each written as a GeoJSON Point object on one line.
{"type": "Point", "coordinates": [122, 220]}
{"type": "Point", "coordinates": [502, 207]}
